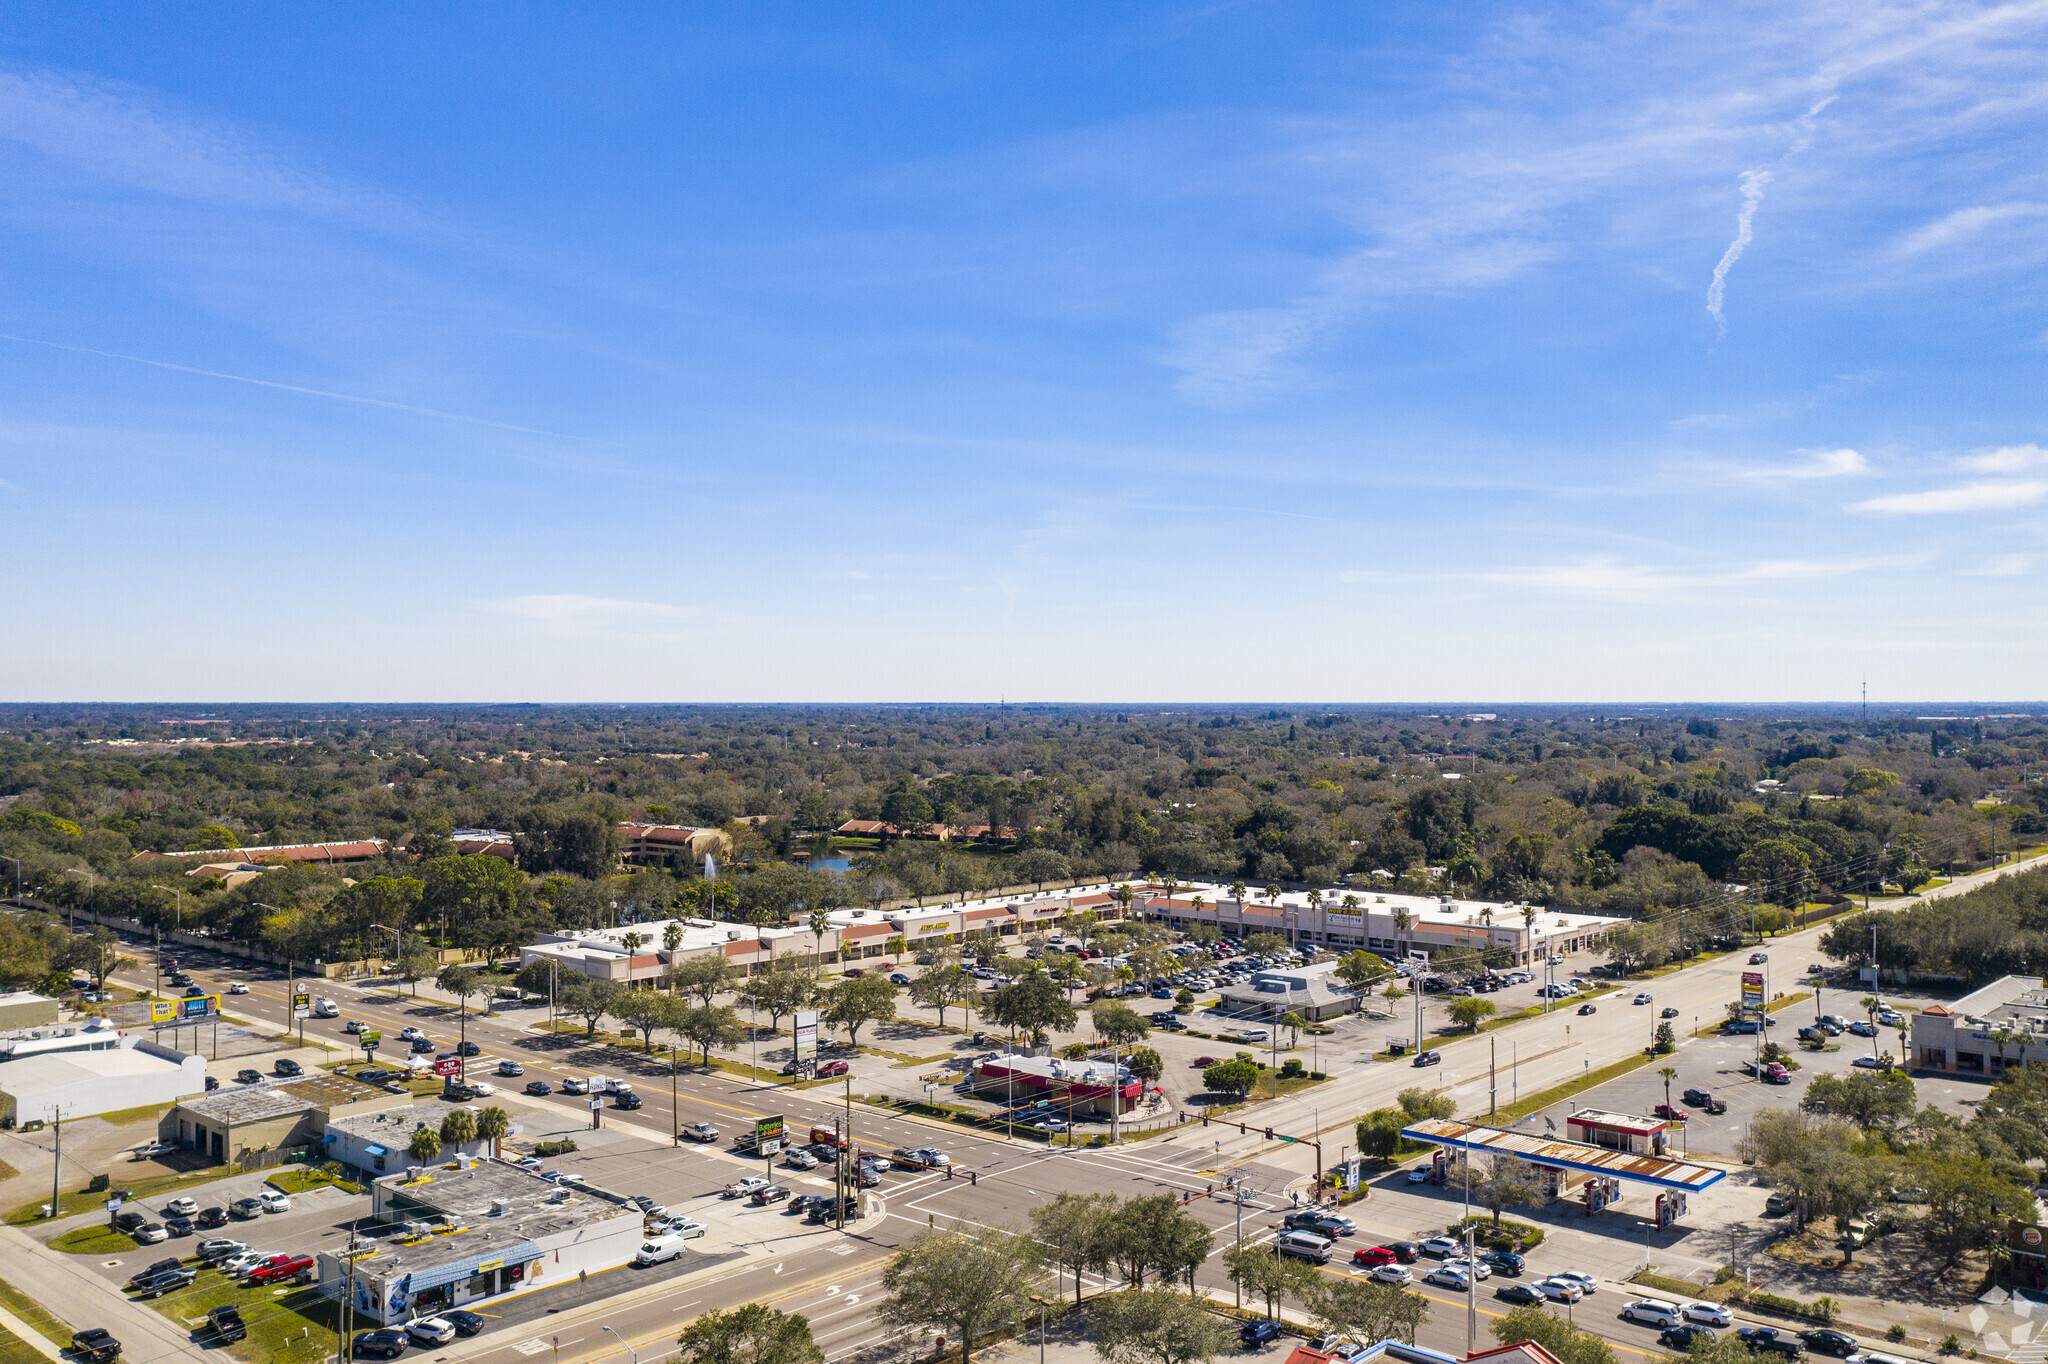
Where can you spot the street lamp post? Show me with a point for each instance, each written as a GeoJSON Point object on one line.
{"type": "Point", "coordinates": [623, 1341]}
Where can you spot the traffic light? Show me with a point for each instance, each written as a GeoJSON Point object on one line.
{"type": "Point", "coordinates": [1205, 1120]}
{"type": "Point", "coordinates": [973, 1177]}
{"type": "Point", "coordinates": [1269, 1134]}
{"type": "Point", "coordinates": [1240, 1129]}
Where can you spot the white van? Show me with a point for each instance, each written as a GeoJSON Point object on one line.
{"type": "Point", "coordinates": [1303, 1245]}
{"type": "Point", "coordinates": [1653, 1312]}
{"type": "Point", "coordinates": [659, 1249]}
{"type": "Point", "coordinates": [326, 1008]}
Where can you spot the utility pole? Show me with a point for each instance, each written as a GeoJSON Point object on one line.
{"type": "Point", "coordinates": [57, 1165]}
{"type": "Point", "coordinates": [1492, 1076]}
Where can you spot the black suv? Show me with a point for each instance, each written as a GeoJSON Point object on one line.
{"type": "Point", "coordinates": [1766, 1340]}
{"type": "Point", "coordinates": [1830, 1343]}
{"type": "Point", "coordinates": [385, 1343]}
{"type": "Point", "coordinates": [1700, 1098]}
{"type": "Point", "coordinates": [627, 1101]}
{"type": "Point", "coordinates": [824, 1211]}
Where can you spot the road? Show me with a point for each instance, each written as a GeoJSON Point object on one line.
{"type": "Point", "coordinates": [833, 1277]}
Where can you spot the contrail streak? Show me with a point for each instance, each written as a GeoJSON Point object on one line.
{"type": "Point", "coordinates": [291, 388]}
{"type": "Point", "coordinates": [1753, 182]}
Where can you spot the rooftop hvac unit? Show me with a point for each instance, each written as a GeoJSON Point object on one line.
{"type": "Point", "coordinates": [499, 1207]}
{"type": "Point", "coordinates": [412, 1172]}
{"type": "Point", "coordinates": [732, 935]}
{"type": "Point", "coordinates": [419, 1228]}
{"type": "Point", "coordinates": [558, 1195]}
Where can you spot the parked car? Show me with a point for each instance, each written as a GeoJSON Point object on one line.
{"type": "Point", "coordinates": [1824, 1342]}
{"type": "Point", "coordinates": [160, 1267]}
{"type": "Point", "coordinates": [275, 1200]}
{"type": "Point", "coordinates": [431, 1331]}
{"type": "Point", "coordinates": [386, 1342]}
{"type": "Point", "coordinates": [1670, 1113]}
{"type": "Point", "coordinates": [226, 1323]}
{"type": "Point", "coordinates": [1419, 1175]}
{"type": "Point", "coordinates": [280, 1269]}
{"type": "Point", "coordinates": [465, 1323]}
{"type": "Point", "coordinates": [898, 978]}
{"type": "Point", "coordinates": [215, 1249]}
{"type": "Point", "coordinates": [1255, 1334]}
{"type": "Point", "coordinates": [180, 1207]}
{"type": "Point", "coordinates": [774, 1193]}
{"type": "Point", "coordinates": [745, 1185]}
{"type": "Point", "coordinates": [169, 1281]}
{"type": "Point", "coordinates": [179, 1226]}
{"type": "Point", "coordinates": [212, 1217]}
{"type": "Point", "coordinates": [249, 1077]}
{"type": "Point", "coordinates": [831, 1068]}
{"type": "Point", "coordinates": [150, 1233]}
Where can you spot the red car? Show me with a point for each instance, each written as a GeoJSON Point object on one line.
{"type": "Point", "coordinates": [278, 1268]}
{"type": "Point", "coordinates": [1670, 1114]}
{"type": "Point", "coordinates": [830, 1068]}
{"type": "Point", "coordinates": [1373, 1256]}
{"type": "Point", "coordinates": [1205, 1060]}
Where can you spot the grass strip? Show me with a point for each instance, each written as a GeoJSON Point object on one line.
{"type": "Point", "coordinates": [1536, 1103]}
{"type": "Point", "coordinates": [83, 1200]}
{"type": "Point", "coordinates": [93, 1240]}
{"type": "Point", "coordinates": [33, 1314]}
{"type": "Point", "coordinates": [128, 1117]}
{"type": "Point", "coordinates": [7, 1171]}
{"type": "Point", "coordinates": [288, 1326]}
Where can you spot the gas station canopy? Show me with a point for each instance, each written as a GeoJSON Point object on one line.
{"type": "Point", "coordinates": [1659, 1171]}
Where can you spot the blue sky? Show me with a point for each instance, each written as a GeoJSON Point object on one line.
{"type": "Point", "coordinates": [1239, 351]}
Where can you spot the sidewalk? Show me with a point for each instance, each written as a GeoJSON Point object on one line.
{"type": "Point", "coordinates": [82, 1298]}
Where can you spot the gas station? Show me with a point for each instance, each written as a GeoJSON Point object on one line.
{"type": "Point", "coordinates": [1624, 1150]}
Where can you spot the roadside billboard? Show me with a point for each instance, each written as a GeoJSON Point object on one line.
{"type": "Point", "coordinates": [167, 1013]}
{"type": "Point", "coordinates": [1752, 991]}
{"type": "Point", "coordinates": [807, 1042]}
{"type": "Point", "coordinates": [448, 1065]}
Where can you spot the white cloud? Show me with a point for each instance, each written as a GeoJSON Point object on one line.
{"type": "Point", "coordinates": [1987, 496]}
{"type": "Point", "coordinates": [1964, 224]}
{"type": "Point", "coordinates": [572, 615]}
{"type": "Point", "coordinates": [123, 134]}
{"type": "Point", "coordinates": [2006, 459]}
{"type": "Point", "coordinates": [1606, 576]}
{"type": "Point", "coordinates": [2004, 566]}
{"type": "Point", "coordinates": [1842, 463]}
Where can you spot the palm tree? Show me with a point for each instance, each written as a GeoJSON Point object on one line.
{"type": "Point", "coordinates": [425, 1145]}
{"type": "Point", "coordinates": [1870, 1006]}
{"type": "Point", "coordinates": [1199, 902]}
{"type": "Point", "coordinates": [821, 924]}
{"type": "Point", "coordinates": [672, 937]}
{"type": "Point", "coordinates": [633, 942]}
{"type": "Point", "coordinates": [492, 1124]}
{"type": "Point", "coordinates": [1169, 883]}
{"type": "Point", "coordinates": [1667, 1074]}
{"type": "Point", "coordinates": [1294, 1023]}
{"type": "Point", "coordinates": [1403, 921]}
{"type": "Point", "coordinates": [1529, 927]}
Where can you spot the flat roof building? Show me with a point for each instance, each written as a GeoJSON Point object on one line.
{"type": "Point", "coordinates": [1338, 921]}
{"type": "Point", "coordinates": [454, 1235]}
{"type": "Point", "coordinates": [1313, 992]}
{"type": "Point", "coordinates": [261, 1123]}
{"type": "Point", "coordinates": [375, 1141]}
{"type": "Point", "coordinates": [1986, 1032]}
{"type": "Point", "coordinates": [1079, 1086]}
{"type": "Point", "coordinates": [134, 1073]}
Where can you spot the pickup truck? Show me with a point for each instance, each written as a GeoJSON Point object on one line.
{"type": "Point", "coordinates": [95, 1345]}
{"type": "Point", "coordinates": [279, 1268]}
{"type": "Point", "coordinates": [740, 1188]}
{"type": "Point", "coordinates": [227, 1323]}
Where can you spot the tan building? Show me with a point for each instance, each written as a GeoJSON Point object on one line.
{"type": "Point", "coordinates": [269, 1119]}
